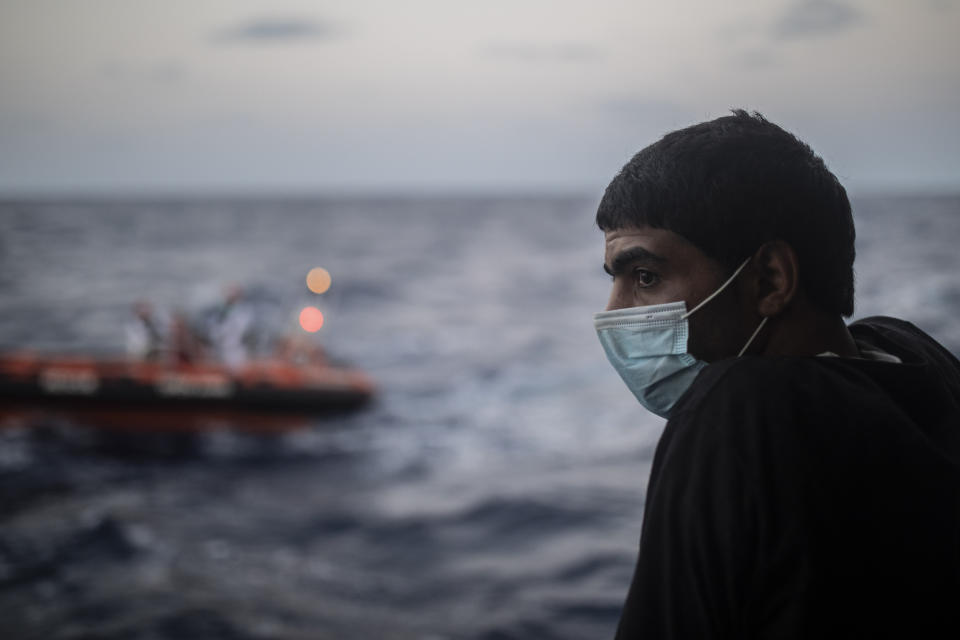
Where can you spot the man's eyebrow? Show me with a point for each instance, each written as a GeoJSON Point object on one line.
{"type": "Point", "coordinates": [628, 256]}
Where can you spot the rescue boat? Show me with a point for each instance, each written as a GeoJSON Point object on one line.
{"type": "Point", "coordinates": [140, 394]}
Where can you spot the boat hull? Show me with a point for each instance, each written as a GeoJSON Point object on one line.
{"type": "Point", "coordinates": [182, 396]}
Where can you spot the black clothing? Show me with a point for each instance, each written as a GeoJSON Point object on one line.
{"type": "Point", "coordinates": [812, 497]}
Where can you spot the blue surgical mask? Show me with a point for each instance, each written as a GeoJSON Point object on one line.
{"type": "Point", "coordinates": [648, 348]}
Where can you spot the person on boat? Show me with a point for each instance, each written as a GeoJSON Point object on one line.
{"type": "Point", "coordinates": [807, 482]}
{"type": "Point", "coordinates": [185, 344]}
{"type": "Point", "coordinates": [230, 327]}
{"type": "Point", "coordinates": [295, 348]}
{"type": "Point", "coordinates": [146, 337]}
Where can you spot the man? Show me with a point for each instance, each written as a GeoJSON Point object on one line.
{"type": "Point", "coordinates": [146, 339]}
{"type": "Point", "coordinates": [807, 483]}
{"type": "Point", "coordinates": [230, 328]}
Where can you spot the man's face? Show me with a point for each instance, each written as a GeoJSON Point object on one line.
{"type": "Point", "coordinates": [656, 266]}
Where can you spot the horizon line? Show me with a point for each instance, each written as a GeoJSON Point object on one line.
{"type": "Point", "coordinates": [167, 194]}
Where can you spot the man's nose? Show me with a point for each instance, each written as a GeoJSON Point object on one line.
{"type": "Point", "coordinates": [618, 298]}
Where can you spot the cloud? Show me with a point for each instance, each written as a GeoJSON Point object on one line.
{"type": "Point", "coordinates": [808, 18]}
{"type": "Point", "coordinates": [757, 58]}
{"type": "Point", "coordinates": [277, 30]}
{"type": "Point", "coordinates": [662, 114]}
{"type": "Point", "coordinates": [559, 52]}
{"type": "Point", "coordinates": [168, 72]}
{"type": "Point", "coordinates": [739, 31]}
{"type": "Point", "coordinates": [941, 6]}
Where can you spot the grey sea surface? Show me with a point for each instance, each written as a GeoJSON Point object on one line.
{"type": "Point", "coordinates": [493, 490]}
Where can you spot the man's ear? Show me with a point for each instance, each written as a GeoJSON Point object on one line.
{"type": "Point", "coordinates": [778, 277]}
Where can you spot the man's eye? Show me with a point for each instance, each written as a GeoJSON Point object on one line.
{"type": "Point", "coordinates": [645, 278]}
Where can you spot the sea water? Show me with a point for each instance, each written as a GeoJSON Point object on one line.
{"type": "Point", "coordinates": [493, 490]}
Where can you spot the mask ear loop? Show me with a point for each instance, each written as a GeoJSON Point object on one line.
{"type": "Point", "coordinates": [718, 291]}
{"type": "Point", "coordinates": [755, 332]}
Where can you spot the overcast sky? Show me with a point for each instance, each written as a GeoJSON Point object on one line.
{"type": "Point", "coordinates": [249, 95]}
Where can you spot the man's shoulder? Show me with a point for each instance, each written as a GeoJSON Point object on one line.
{"type": "Point", "coordinates": [737, 400]}
{"type": "Point", "coordinates": [904, 339]}
{"type": "Point", "coordinates": [755, 389]}
{"type": "Point", "coordinates": [758, 379]}
{"type": "Point", "coordinates": [891, 330]}
{"type": "Point", "coordinates": [787, 388]}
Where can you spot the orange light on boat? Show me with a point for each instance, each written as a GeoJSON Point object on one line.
{"type": "Point", "coordinates": [318, 280]}
{"type": "Point", "coordinates": [311, 319]}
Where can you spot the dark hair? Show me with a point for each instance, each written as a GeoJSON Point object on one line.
{"type": "Point", "coordinates": [733, 183]}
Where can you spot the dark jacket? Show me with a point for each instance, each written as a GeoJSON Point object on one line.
{"type": "Point", "coordinates": [813, 497]}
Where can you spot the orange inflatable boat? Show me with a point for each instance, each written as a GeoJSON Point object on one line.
{"type": "Point", "coordinates": [135, 394]}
